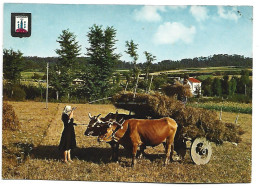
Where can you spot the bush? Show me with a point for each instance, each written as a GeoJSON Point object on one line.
{"type": "Point", "coordinates": [10, 120]}
{"type": "Point", "coordinates": [17, 93]}
{"type": "Point", "coordinates": [33, 92]}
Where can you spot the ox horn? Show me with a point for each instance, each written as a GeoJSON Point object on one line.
{"type": "Point", "coordinates": [89, 115]}
{"type": "Point", "coordinates": [98, 115]}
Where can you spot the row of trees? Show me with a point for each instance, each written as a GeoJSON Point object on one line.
{"type": "Point", "coordinates": [97, 72]}
{"type": "Point", "coordinates": [228, 86]}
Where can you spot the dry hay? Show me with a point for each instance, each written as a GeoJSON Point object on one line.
{"type": "Point", "coordinates": [146, 105]}
{"type": "Point", "coordinates": [192, 122]}
{"type": "Point", "coordinates": [177, 89]}
{"type": "Point", "coordinates": [10, 120]}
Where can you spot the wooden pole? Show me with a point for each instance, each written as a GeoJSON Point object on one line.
{"type": "Point", "coordinates": [136, 85]}
{"type": "Point", "coordinates": [47, 85]}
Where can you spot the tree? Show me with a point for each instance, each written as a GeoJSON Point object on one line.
{"type": "Point", "coordinates": [225, 85]}
{"type": "Point", "coordinates": [12, 65]}
{"type": "Point", "coordinates": [132, 51]}
{"type": "Point", "coordinates": [69, 49]}
{"type": "Point", "coordinates": [159, 81]}
{"type": "Point", "coordinates": [64, 72]}
{"type": "Point", "coordinates": [197, 91]}
{"type": "Point", "coordinates": [206, 87]}
{"type": "Point", "coordinates": [244, 81]}
{"type": "Point", "coordinates": [149, 60]}
{"type": "Point", "coordinates": [233, 86]}
{"type": "Point", "coordinates": [216, 87]}
{"type": "Point", "coordinates": [102, 58]}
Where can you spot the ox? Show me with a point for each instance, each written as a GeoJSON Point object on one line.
{"type": "Point", "coordinates": [134, 133]}
{"type": "Point", "coordinates": [98, 125]}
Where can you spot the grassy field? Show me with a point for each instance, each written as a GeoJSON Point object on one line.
{"type": "Point", "coordinates": [31, 152]}
{"type": "Point", "coordinates": [28, 75]}
{"type": "Point", "coordinates": [225, 106]}
{"type": "Point", "coordinates": [209, 70]}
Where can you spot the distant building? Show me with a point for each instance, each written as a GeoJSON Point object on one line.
{"type": "Point", "coordinates": [195, 85]}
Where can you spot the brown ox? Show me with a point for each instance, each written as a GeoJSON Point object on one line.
{"type": "Point", "coordinates": [134, 133]}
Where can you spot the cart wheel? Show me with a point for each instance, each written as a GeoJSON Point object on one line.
{"type": "Point", "coordinates": [200, 151]}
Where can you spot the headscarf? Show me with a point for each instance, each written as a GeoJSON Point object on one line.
{"type": "Point", "coordinates": [67, 110]}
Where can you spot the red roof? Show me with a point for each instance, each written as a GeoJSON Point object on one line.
{"type": "Point", "coordinates": [193, 80]}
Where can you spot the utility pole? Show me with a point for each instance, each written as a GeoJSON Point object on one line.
{"type": "Point", "coordinates": [47, 85]}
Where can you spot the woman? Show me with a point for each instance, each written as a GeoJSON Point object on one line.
{"type": "Point", "coordinates": [68, 140]}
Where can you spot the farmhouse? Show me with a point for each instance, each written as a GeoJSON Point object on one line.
{"type": "Point", "coordinates": [195, 85]}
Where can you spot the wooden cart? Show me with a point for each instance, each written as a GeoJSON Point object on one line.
{"type": "Point", "coordinates": [200, 148]}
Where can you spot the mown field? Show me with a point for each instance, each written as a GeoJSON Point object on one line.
{"type": "Point", "coordinates": [32, 152]}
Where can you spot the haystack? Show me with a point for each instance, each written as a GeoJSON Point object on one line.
{"type": "Point", "coordinates": [10, 120]}
{"type": "Point", "coordinates": [192, 122]}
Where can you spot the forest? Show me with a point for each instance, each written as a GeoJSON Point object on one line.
{"type": "Point", "coordinates": [34, 63]}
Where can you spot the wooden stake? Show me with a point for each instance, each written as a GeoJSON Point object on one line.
{"type": "Point", "coordinates": [236, 119]}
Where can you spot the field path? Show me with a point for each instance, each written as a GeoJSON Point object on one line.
{"type": "Point", "coordinates": [50, 136]}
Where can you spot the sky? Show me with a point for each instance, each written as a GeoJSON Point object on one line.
{"type": "Point", "coordinates": [167, 32]}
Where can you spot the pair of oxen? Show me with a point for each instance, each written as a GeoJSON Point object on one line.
{"type": "Point", "coordinates": [131, 133]}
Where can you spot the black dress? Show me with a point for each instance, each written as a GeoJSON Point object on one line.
{"type": "Point", "coordinates": [68, 140]}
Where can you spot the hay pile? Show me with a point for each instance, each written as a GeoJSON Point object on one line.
{"type": "Point", "coordinates": [147, 105]}
{"type": "Point", "coordinates": [178, 89]}
{"type": "Point", "coordinates": [192, 122]}
{"type": "Point", "coordinates": [10, 120]}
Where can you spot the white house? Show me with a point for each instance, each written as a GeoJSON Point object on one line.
{"type": "Point", "coordinates": [194, 85]}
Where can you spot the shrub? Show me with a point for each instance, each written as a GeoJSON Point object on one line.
{"type": "Point", "coordinates": [18, 94]}
{"type": "Point", "coordinates": [33, 92]}
{"type": "Point", "coordinates": [10, 120]}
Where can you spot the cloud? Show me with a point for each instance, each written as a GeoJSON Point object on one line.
{"type": "Point", "coordinates": [149, 13]}
{"type": "Point", "coordinates": [172, 32]}
{"type": "Point", "coordinates": [230, 14]}
{"type": "Point", "coordinates": [200, 13]}
{"type": "Point", "coordinates": [175, 7]}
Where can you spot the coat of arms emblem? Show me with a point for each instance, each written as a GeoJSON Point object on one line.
{"type": "Point", "coordinates": [21, 24]}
